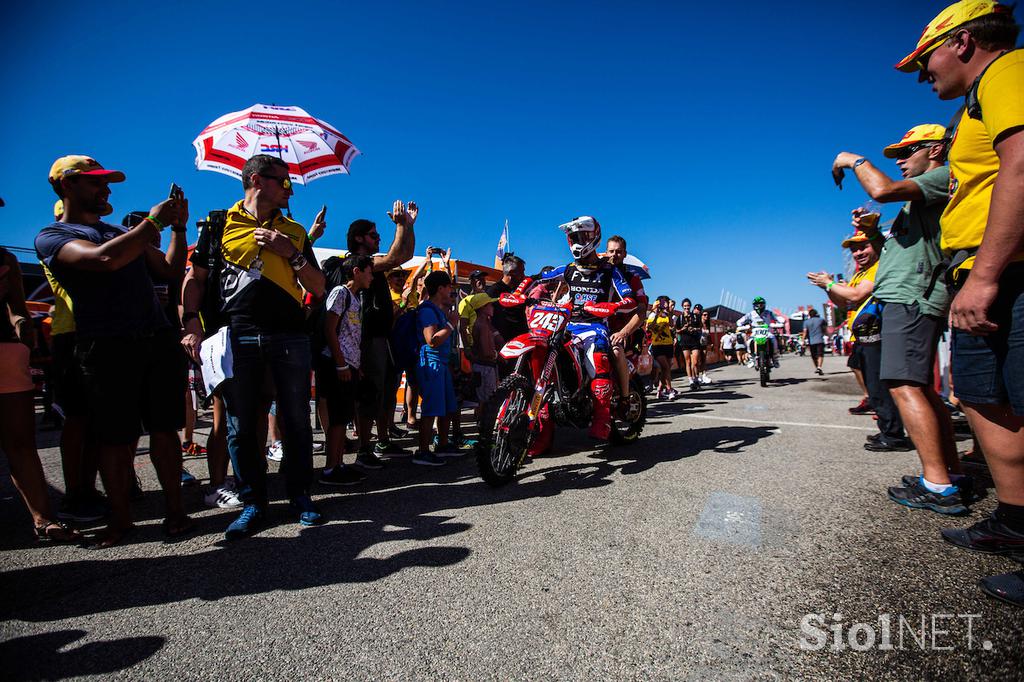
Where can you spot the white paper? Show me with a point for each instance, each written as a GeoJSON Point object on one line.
{"type": "Point", "coordinates": [215, 359]}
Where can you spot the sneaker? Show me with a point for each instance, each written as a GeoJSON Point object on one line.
{"type": "Point", "coordinates": [874, 438]}
{"type": "Point", "coordinates": [318, 448]}
{"type": "Point", "coordinates": [989, 536]}
{"type": "Point", "coordinates": [694, 386]}
{"type": "Point", "coordinates": [187, 478]}
{"type": "Point", "coordinates": [250, 521]}
{"type": "Point", "coordinates": [275, 453]}
{"type": "Point", "coordinates": [661, 394]}
{"type": "Point", "coordinates": [863, 407]}
{"type": "Point", "coordinates": [673, 394]}
{"type": "Point", "coordinates": [1008, 587]}
{"type": "Point", "coordinates": [368, 460]}
{"type": "Point", "coordinates": [447, 450]}
{"type": "Point", "coordinates": [396, 431]}
{"type": "Point", "coordinates": [342, 475]}
{"type": "Point", "coordinates": [83, 508]}
{"type": "Point", "coordinates": [819, 371]}
{"type": "Point", "coordinates": [883, 445]}
{"type": "Point", "coordinates": [965, 483]}
{"type": "Point", "coordinates": [427, 458]}
{"type": "Point", "coordinates": [309, 515]}
{"type": "Point", "coordinates": [464, 443]}
{"type": "Point", "coordinates": [389, 448]}
{"type": "Point", "coordinates": [917, 496]}
{"type": "Point", "coordinates": [705, 379]}
{"type": "Point", "coordinates": [223, 497]}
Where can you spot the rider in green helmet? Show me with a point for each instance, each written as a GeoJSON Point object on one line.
{"type": "Point", "coordinates": [760, 316]}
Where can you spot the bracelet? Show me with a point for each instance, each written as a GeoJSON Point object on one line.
{"type": "Point", "coordinates": [340, 368]}
{"type": "Point", "coordinates": [156, 221]}
{"type": "Point", "coordinates": [828, 287]}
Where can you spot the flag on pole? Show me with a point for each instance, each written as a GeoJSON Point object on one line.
{"type": "Point", "coordinates": [503, 247]}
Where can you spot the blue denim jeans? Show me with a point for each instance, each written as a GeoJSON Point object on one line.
{"type": "Point", "coordinates": [285, 359]}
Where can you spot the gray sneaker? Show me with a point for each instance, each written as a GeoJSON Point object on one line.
{"type": "Point", "coordinates": [427, 458]}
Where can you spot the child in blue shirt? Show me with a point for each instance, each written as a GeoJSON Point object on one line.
{"type": "Point", "coordinates": [437, 322]}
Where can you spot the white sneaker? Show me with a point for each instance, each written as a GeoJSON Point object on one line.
{"type": "Point", "coordinates": [223, 497]}
{"type": "Point", "coordinates": [672, 394]}
{"type": "Point", "coordinates": [275, 453]}
{"type": "Point", "coordinates": [705, 379]}
{"type": "Point", "coordinates": [318, 448]}
{"type": "Point", "coordinates": [693, 382]}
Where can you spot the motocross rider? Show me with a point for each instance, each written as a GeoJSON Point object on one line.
{"type": "Point", "coordinates": [591, 282]}
{"type": "Point", "coordinates": [757, 317]}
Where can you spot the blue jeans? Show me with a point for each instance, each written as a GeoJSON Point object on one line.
{"type": "Point", "coordinates": [284, 358]}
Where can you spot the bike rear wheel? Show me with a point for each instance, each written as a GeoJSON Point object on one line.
{"type": "Point", "coordinates": [504, 435]}
{"type": "Point", "coordinates": [762, 363]}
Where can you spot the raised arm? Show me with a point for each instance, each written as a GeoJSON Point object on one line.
{"type": "Point", "coordinates": [404, 245]}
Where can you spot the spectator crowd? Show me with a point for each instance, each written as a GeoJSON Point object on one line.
{"type": "Point", "coordinates": [134, 321]}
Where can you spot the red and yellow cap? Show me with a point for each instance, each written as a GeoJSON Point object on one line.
{"type": "Point", "coordinates": [67, 166]}
{"type": "Point", "coordinates": [957, 14]}
{"type": "Point", "coordinates": [929, 132]}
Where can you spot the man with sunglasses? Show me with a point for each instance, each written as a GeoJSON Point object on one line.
{"type": "Point", "coordinates": [968, 51]}
{"type": "Point", "coordinates": [909, 283]}
{"type": "Point", "coordinates": [268, 266]}
{"type": "Point", "coordinates": [380, 375]}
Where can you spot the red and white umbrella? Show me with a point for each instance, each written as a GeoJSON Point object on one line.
{"type": "Point", "coordinates": [311, 148]}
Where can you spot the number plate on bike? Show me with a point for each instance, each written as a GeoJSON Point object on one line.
{"type": "Point", "coordinates": [546, 320]}
{"type": "Point", "coordinates": [762, 332]}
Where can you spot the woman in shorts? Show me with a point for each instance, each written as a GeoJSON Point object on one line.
{"type": "Point", "coordinates": [17, 408]}
{"type": "Point", "coordinates": [659, 324]}
{"type": "Point", "coordinates": [705, 339]}
{"type": "Point", "coordinates": [688, 330]}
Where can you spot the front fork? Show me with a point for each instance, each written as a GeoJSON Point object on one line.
{"type": "Point", "coordinates": [542, 368]}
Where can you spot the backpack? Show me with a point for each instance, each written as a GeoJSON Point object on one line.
{"type": "Point", "coordinates": [405, 341]}
{"type": "Point", "coordinates": [867, 322]}
{"type": "Point", "coordinates": [318, 310]}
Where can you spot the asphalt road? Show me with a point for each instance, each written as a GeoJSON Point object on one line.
{"type": "Point", "coordinates": [695, 553]}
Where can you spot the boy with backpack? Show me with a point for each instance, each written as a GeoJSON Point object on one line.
{"type": "Point", "coordinates": [437, 323]}
{"type": "Point", "coordinates": [337, 369]}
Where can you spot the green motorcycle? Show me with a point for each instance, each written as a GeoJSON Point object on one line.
{"type": "Point", "coordinates": [762, 352]}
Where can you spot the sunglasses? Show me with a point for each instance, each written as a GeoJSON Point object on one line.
{"type": "Point", "coordinates": [912, 149]}
{"type": "Point", "coordinates": [286, 181]}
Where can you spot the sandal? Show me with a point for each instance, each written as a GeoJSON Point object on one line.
{"type": "Point", "coordinates": [56, 532]}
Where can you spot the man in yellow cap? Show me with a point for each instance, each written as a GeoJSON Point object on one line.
{"type": "Point", "coordinates": [132, 367]}
{"type": "Point", "coordinates": [968, 51]}
{"type": "Point", "coordinates": [909, 283]}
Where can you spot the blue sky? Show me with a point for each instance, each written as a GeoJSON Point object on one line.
{"type": "Point", "coordinates": [702, 133]}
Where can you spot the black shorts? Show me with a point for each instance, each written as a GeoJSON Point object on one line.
{"type": "Point", "coordinates": [689, 342]}
{"type": "Point", "coordinates": [375, 395]}
{"type": "Point", "coordinates": [730, 353]}
{"type": "Point", "coordinates": [662, 351]}
{"type": "Point", "coordinates": [855, 361]}
{"type": "Point", "coordinates": [68, 391]}
{"type": "Point", "coordinates": [338, 395]}
{"type": "Point", "coordinates": [817, 350]}
{"type": "Point", "coordinates": [909, 343]}
{"type": "Point", "coordinates": [133, 383]}
{"type": "Point", "coordinates": [989, 370]}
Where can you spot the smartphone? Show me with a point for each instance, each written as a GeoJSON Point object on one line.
{"type": "Point", "coordinates": [176, 192]}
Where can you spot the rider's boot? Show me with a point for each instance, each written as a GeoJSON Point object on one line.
{"type": "Point", "coordinates": [542, 443]}
{"type": "Point", "coordinates": [601, 426]}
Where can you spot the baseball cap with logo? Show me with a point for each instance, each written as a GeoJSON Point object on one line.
{"type": "Point", "coordinates": [929, 132]}
{"type": "Point", "coordinates": [948, 20]}
{"type": "Point", "coordinates": [66, 166]}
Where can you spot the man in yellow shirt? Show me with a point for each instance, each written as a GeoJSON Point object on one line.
{"type": "Point", "coordinates": [968, 51]}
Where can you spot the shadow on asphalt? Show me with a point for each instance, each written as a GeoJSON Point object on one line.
{"type": "Point", "coordinates": [46, 656]}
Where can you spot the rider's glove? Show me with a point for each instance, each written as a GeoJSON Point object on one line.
{"type": "Point", "coordinates": [600, 309]}
{"type": "Point", "coordinates": [511, 300]}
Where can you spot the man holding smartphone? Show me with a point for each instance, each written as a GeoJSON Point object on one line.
{"type": "Point", "coordinates": [133, 369]}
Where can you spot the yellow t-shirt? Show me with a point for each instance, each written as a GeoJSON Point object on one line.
{"type": "Point", "coordinates": [660, 327]}
{"type": "Point", "coordinates": [973, 163]}
{"type": "Point", "coordinates": [63, 313]}
{"type": "Point", "coordinates": [862, 276]}
{"type": "Point", "coordinates": [411, 304]}
{"type": "Point", "coordinates": [239, 247]}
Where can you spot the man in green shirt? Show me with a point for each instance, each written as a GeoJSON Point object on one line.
{"type": "Point", "coordinates": [916, 305]}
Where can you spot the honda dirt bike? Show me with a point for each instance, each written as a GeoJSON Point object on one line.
{"type": "Point", "coordinates": [550, 374]}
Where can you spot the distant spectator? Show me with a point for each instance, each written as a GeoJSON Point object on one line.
{"type": "Point", "coordinates": [510, 322]}
{"type": "Point", "coordinates": [477, 282]}
{"type": "Point", "coordinates": [132, 366]}
{"type": "Point", "coordinates": [728, 344]}
{"type": "Point", "coordinates": [814, 335]}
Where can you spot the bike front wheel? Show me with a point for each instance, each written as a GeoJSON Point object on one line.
{"type": "Point", "coordinates": [504, 435]}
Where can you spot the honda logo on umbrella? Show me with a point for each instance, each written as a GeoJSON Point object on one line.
{"type": "Point", "coordinates": [241, 143]}
{"type": "Point", "coordinates": [310, 147]}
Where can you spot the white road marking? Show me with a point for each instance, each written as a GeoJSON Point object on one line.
{"type": "Point", "coordinates": [772, 423]}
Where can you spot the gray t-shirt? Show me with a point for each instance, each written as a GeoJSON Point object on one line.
{"type": "Point", "coordinates": [911, 253]}
{"type": "Point", "coordinates": [815, 327]}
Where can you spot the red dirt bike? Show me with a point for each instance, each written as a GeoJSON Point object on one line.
{"type": "Point", "coordinates": [550, 375]}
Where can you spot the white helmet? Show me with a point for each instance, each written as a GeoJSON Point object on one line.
{"type": "Point", "coordinates": [584, 234]}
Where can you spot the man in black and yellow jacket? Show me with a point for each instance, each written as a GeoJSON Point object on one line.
{"type": "Point", "coordinates": [268, 265]}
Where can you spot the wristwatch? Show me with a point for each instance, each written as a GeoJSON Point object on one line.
{"type": "Point", "coordinates": [858, 162]}
{"type": "Point", "coordinates": [298, 261]}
